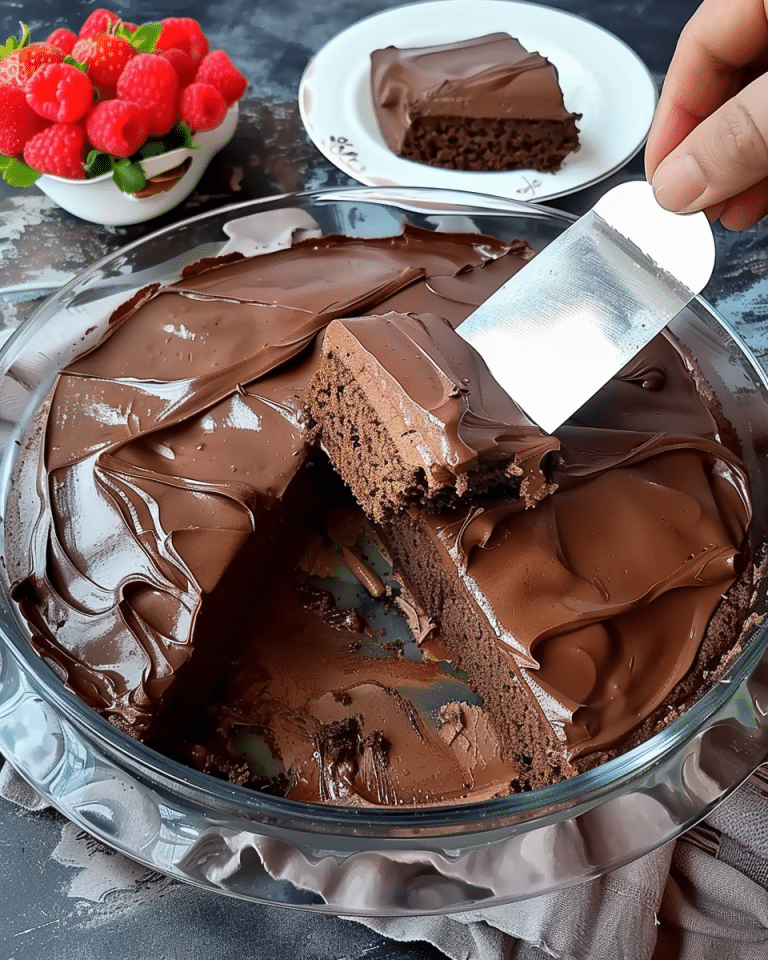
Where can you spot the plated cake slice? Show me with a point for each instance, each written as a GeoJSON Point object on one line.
{"type": "Point", "coordinates": [481, 104]}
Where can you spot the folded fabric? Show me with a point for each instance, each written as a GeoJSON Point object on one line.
{"type": "Point", "coordinates": [702, 897]}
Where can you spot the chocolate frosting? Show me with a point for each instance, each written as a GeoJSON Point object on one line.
{"type": "Point", "coordinates": [165, 492]}
{"type": "Point", "coordinates": [602, 594]}
{"type": "Point", "coordinates": [492, 76]}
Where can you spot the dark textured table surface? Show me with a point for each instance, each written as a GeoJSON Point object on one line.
{"type": "Point", "coordinates": [64, 895]}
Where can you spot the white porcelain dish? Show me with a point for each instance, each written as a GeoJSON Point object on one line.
{"type": "Point", "coordinates": [600, 76]}
{"type": "Point", "coordinates": [99, 200]}
{"type": "Point", "coordinates": [367, 861]}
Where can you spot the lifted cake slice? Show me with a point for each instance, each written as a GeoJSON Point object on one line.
{"type": "Point", "coordinates": [409, 414]}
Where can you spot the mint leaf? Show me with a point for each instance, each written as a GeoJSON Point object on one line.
{"type": "Point", "coordinates": [180, 136]}
{"type": "Point", "coordinates": [144, 38]}
{"type": "Point", "coordinates": [97, 163]}
{"type": "Point", "coordinates": [76, 63]}
{"type": "Point", "coordinates": [129, 176]}
{"type": "Point", "coordinates": [152, 148]}
{"type": "Point", "coordinates": [17, 173]}
{"type": "Point", "coordinates": [15, 43]}
{"type": "Point", "coordinates": [183, 132]}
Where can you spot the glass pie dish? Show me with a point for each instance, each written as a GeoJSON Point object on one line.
{"type": "Point", "coordinates": [363, 861]}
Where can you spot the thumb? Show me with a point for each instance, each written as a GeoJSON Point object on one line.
{"type": "Point", "coordinates": [721, 157]}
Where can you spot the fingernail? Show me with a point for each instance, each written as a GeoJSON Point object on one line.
{"type": "Point", "coordinates": [678, 183]}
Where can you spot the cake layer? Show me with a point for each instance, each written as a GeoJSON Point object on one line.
{"type": "Point", "coordinates": [480, 104]}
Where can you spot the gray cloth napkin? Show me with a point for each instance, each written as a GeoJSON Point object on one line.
{"type": "Point", "coordinates": [702, 897]}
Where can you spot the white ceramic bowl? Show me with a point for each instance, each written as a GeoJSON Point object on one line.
{"type": "Point", "coordinates": [100, 200]}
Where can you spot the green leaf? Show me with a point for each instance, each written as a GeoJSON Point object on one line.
{"type": "Point", "coordinates": [15, 43]}
{"type": "Point", "coordinates": [97, 163]}
{"type": "Point", "coordinates": [180, 136]}
{"type": "Point", "coordinates": [129, 176]}
{"type": "Point", "coordinates": [185, 135]}
{"type": "Point", "coordinates": [76, 63]}
{"type": "Point", "coordinates": [152, 148]}
{"type": "Point", "coordinates": [144, 38]}
{"type": "Point", "coordinates": [17, 173]}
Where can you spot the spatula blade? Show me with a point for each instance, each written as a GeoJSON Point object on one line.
{"type": "Point", "coordinates": [584, 306]}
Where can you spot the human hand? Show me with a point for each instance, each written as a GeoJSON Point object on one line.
{"type": "Point", "coordinates": [708, 145]}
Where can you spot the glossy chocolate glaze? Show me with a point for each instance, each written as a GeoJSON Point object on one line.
{"type": "Point", "coordinates": [178, 442]}
{"type": "Point", "coordinates": [165, 492]}
{"type": "Point", "coordinates": [603, 593]}
{"type": "Point", "coordinates": [492, 77]}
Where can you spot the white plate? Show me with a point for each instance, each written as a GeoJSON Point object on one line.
{"type": "Point", "coordinates": [600, 76]}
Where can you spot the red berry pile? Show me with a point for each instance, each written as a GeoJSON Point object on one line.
{"type": "Point", "coordinates": [106, 97]}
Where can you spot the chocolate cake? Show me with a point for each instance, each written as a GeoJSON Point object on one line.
{"type": "Point", "coordinates": [170, 527]}
{"type": "Point", "coordinates": [409, 414]}
{"type": "Point", "coordinates": [481, 104]}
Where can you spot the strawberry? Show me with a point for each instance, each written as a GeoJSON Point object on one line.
{"type": "Point", "coordinates": [118, 127]}
{"type": "Point", "coordinates": [98, 22]}
{"type": "Point", "coordinates": [60, 92]}
{"type": "Point", "coordinates": [106, 56]}
{"type": "Point", "coordinates": [185, 34]}
{"type": "Point", "coordinates": [202, 107]}
{"type": "Point", "coordinates": [219, 71]}
{"type": "Point", "coordinates": [18, 121]}
{"type": "Point", "coordinates": [149, 80]}
{"type": "Point", "coordinates": [59, 149]}
{"type": "Point", "coordinates": [19, 65]}
{"type": "Point", "coordinates": [182, 63]}
{"type": "Point", "coordinates": [63, 39]}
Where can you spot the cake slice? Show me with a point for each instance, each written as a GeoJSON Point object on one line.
{"type": "Point", "coordinates": [409, 414]}
{"type": "Point", "coordinates": [481, 104]}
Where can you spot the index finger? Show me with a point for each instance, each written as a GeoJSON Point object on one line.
{"type": "Point", "coordinates": [717, 45]}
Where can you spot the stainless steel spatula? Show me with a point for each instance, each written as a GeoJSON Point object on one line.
{"type": "Point", "coordinates": [583, 307]}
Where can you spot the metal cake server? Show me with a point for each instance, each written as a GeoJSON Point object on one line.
{"type": "Point", "coordinates": [559, 329]}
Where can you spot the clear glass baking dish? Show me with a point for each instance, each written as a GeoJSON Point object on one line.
{"type": "Point", "coordinates": [346, 860]}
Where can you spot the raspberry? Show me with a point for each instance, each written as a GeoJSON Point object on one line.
{"type": "Point", "coordinates": [63, 39]}
{"type": "Point", "coordinates": [117, 126]}
{"type": "Point", "coordinates": [59, 149]}
{"type": "Point", "coordinates": [218, 70]}
{"type": "Point", "coordinates": [98, 22]}
{"type": "Point", "coordinates": [106, 56]}
{"type": "Point", "coordinates": [202, 107]}
{"type": "Point", "coordinates": [18, 66]}
{"type": "Point", "coordinates": [60, 92]}
{"type": "Point", "coordinates": [186, 34]}
{"type": "Point", "coordinates": [182, 63]}
{"type": "Point", "coordinates": [18, 121]}
{"type": "Point", "coordinates": [150, 81]}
